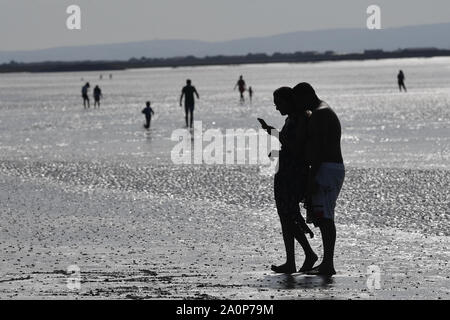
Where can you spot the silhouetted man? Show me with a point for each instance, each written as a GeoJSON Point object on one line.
{"type": "Point", "coordinates": [84, 94]}
{"type": "Point", "coordinates": [327, 171]}
{"type": "Point", "coordinates": [250, 93]}
{"type": "Point", "coordinates": [97, 96]}
{"type": "Point", "coordinates": [401, 81]}
{"type": "Point", "coordinates": [240, 84]}
{"type": "Point", "coordinates": [148, 112]}
{"type": "Point", "coordinates": [188, 92]}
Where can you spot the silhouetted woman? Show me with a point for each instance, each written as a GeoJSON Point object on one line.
{"type": "Point", "coordinates": [291, 181]}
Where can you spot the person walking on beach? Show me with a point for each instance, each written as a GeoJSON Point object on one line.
{"type": "Point", "coordinates": [188, 92]}
{"type": "Point", "coordinates": [401, 81]}
{"type": "Point", "coordinates": [84, 94]}
{"type": "Point", "coordinates": [148, 112]}
{"type": "Point", "coordinates": [291, 181]}
{"type": "Point", "coordinates": [327, 171]}
{"type": "Point", "coordinates": [97, 96]}
{"type": "Point", "coordinates": [250, 93]}
{"type": "Point", "coordinates": [240, 84]}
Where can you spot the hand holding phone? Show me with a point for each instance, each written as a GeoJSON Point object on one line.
{"type": "Point", "coordinates": [263, 124]}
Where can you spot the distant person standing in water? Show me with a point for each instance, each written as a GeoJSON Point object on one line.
{"type": "Point", "coordinates": [188, 92]}
{"type": "Point", "coordinates": [97, 96]}
{"type": "Point", "coordinates": [250, 93]}
{"type": "Point", "coordinates": [240, 84]}
{"type": "Point", "coordinates": [148, 112]}
{"type": "Point", "coordinates": [291, 180]}
{"type": "Point", "coordinates": [401, 81]}
{"type": "Point", "coordinates": [84, 94]}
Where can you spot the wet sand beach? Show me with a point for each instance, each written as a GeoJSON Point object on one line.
{"type": "Point", "coordinates": [172, 239]}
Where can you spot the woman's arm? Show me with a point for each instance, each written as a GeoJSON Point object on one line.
{"type": "Point", "coordinates": [270, 130]}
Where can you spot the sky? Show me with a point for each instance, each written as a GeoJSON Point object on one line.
{"type": "Point", "coordinates": [38, 24]}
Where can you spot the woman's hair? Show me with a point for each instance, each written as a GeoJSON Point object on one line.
{"type": "Point", "coordinates": [284, 93]}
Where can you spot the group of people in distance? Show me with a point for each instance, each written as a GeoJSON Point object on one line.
{"type": "Point", "coordinates": [310, 171]}
{"type": "Point", "coordinates": [97, 93]}
{"type": "Point", "coordinates": [188, 93]}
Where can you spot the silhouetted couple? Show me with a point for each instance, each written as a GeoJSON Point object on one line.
{"type": "Point", "coordinates": [310, 170]}
{"type": "Point", "coordinates": [188, 92]}
{"type": "Point", "coordinates": [148, 112]}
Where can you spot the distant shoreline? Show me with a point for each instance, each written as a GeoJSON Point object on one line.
{"type": "Point", "coordinates": [190, 61]}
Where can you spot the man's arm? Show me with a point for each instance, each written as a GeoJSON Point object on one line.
{"type": "Point", "coordinates": [318, 126]}
{"type": "Point", "coordinates": [181, 98]}
{"type": "Point", "coordinates": [196, 93]}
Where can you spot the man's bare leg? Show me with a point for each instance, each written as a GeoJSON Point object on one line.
{"type": "Point", "coordinates": [328, 230]}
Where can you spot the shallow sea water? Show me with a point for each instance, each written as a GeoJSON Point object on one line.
{"type": "Point", "coordinates": [42, 117]}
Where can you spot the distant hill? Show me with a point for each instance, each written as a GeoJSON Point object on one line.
{"type": "Point", "coordinates": [338, 40]}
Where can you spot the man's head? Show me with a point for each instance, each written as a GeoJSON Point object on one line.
{"type": "Point", "coordinates": [148, 103]}
{"type": "Point", "coordinates": [284, 101]}
{"type": "Point", "coordinates": [305, 97]}
{"type": "Point", "coordinates": [188, 82]}
{"type": "Point", "coordinates": [87, 84]}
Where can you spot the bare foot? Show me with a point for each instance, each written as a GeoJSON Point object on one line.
{"type": "Point", "coordinates": [284, 268]}
{"type": "Point", "coordinates": [309, 263]}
